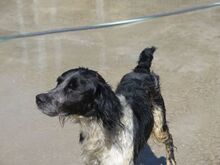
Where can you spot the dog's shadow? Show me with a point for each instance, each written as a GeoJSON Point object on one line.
{"type": "Point", "coordinates": [147, 157]}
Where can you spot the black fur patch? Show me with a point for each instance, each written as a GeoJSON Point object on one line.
{"type": "Point", "coordinates": [81, 137]}
{"type": "Point", "coordinates": [138, 87]}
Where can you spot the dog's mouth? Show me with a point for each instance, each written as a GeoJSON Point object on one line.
{"type": "Point", "coordinates": [44, 109]}
{"type": "Point", "coordinates": [48, 113]}
{"type": "Point", "coordinates": [49, 110]}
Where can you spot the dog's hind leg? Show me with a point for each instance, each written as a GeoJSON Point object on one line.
{"type": "Point", "coordinates": [162, 134]}
{"type": "Point", "coordinates": [161, 129]}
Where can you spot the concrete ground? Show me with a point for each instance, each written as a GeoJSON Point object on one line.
{"type": "Point", "coordinates": [187, 60]}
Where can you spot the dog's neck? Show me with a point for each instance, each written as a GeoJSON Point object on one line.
{"type": "Point", "coordinates": [92, 130]}
{"type": "Point", "coordinates": [94, 140]}
{"type": "Point", "coordinates": [101, 145]}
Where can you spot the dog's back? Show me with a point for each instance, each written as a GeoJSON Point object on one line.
{"type": "Point", "coordinates": [138, 87]}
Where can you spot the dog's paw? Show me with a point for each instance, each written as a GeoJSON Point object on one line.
{"type": "Point", "coordinates": [171, 162]}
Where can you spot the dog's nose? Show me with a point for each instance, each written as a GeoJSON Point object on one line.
{"type": "Point", "coordinates": [41, 98]}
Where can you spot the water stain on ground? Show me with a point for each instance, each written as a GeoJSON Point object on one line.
{"type": "Point", "coordinates": [187, 61]}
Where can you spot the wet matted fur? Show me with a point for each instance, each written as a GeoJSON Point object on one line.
{"type": "Point", "coordinates": [115, 126]}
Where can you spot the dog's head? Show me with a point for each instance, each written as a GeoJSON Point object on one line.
{"type": "Point", "coordinates": [81, 92]}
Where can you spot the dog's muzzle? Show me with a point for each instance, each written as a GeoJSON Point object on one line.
{"type": "Point", "coordinates": [44, 103]}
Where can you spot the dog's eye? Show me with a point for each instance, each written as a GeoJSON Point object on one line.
{"type": "Point", "coordinates": [73, 84]}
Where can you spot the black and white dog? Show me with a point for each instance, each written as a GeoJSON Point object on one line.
{"type": "Point", "coordinates": [115, 126]}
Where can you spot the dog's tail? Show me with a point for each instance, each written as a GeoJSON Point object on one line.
{"type": "Point", "coordinates": [145, 59]}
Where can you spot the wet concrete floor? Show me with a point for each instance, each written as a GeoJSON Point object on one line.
{"type": "Point", "coordinates": [187, 59]}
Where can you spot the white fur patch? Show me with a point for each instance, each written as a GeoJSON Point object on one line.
{"type": "Point", "coordinates": [98, 149]}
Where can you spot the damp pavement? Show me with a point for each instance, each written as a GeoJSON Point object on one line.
{"type": "Point", "coordinates": [187, 60]}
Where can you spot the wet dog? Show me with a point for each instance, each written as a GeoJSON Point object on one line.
{"type": "Point", "coordinates": [115, 126]}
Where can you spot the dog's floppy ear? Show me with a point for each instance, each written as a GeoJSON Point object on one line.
{"type": "Point", "coordinates": [108, 107]}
